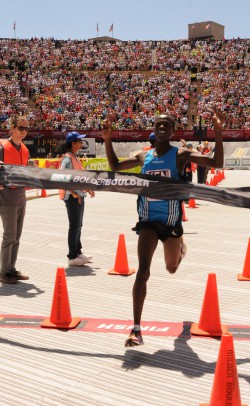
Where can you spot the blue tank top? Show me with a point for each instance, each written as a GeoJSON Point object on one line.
{"type": "Point", "coordinates": [166, 211]}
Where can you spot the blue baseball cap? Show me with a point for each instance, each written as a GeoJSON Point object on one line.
{"type": "Point", "coordinates": [74, 136]}
{"type": "Point", "coordinates": [152, 136]}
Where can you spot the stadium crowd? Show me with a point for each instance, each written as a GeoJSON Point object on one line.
{"type": "Point", "coordinates": [76, 84]}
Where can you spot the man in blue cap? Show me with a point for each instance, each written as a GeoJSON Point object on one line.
{"type": "Point", "coordinates": [152, 142]}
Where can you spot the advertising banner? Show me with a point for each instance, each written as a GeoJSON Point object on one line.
{"type": "Point", "coordinates": [156, 187]}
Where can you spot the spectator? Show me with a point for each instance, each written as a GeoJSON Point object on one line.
{"type": "Point", "coordinates": [152, 142]}
{"type": "Point", "coordinates": [13, 202]}
{"type": "Point", "coordinates": [187, 171]}
{"type": "Point", "coordinates": [74, 201]}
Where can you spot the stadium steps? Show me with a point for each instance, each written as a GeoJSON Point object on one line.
{"type": "Point", "coordinates": [193, 101]}
{"type": "Point", "coordinates": [154, 57]}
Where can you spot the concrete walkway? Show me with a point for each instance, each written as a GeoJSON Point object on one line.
{"type": "Point", "coordinates": [90, 365]}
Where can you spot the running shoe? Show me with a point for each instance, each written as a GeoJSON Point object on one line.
{"type": "Point", "coordinates": [134, 338]}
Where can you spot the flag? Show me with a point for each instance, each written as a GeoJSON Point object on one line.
{"type": "Point", "coordinates": [193, 27]}
{"type": "Point", "coordinates": [97, 28]}
{"type": "Point", "coordinates": [207, 26]}
{"type": "Point", "coordinates": [14, 26]}
{"type": "Point", "coordinates": [111, 27]}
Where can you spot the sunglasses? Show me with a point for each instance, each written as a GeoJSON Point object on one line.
{"type": "Point", "coordinates": [21, 128]}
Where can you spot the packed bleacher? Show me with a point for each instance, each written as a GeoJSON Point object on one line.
{"type": "Point", "coordinates": [75, 84]}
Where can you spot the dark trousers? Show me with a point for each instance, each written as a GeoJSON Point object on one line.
{"type": "Point", "coordinates": [12, 218]}
{"type": "Point", "coordinates": [75, 212]}
{"type": "Point", "coordinates": [201, 174]}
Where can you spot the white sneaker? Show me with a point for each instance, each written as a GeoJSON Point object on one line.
{"type": "Point", "coordinates": [86, 258]}
{"type": "Point", "coordinates": [78, 261]}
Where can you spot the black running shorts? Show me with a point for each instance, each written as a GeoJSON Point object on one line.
{"type": "Point", "coordinates": [163, 230]}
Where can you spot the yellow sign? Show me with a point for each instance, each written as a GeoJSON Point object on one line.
{"type": "Point", "coordinates": [91, 164]}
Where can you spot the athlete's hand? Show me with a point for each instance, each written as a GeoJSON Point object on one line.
{"type": "Point", "coordinates": [218, 119]}
{"type": "Point", "coordinates": [107, 127]}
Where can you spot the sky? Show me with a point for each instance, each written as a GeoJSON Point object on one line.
{"type": "Point", "coordinates": [131, 19]}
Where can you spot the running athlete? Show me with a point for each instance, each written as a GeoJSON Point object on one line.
{"type": "Point", "coordinates": [160, 219]}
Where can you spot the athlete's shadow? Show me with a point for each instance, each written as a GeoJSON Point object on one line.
{"type": "Point", "coordinates": [21, 289]}
{"type": "Point", "coordinates": [182, 358]}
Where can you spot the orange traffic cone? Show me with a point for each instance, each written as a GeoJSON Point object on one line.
{"type": "Point", "coordinates": [225, 389]}
{"type": "Point", "coordinates": [60, 316]}
{"type": "Point", "coordinates": [43, 193]}
{"type": "Point", "coordinates": [220, 176]}
{"type": "Point", "coordinates": [212, 170]}
{"type": "Point", "coordinates": [184, 218]}
{"type": "Point", "coordinates": [192, 204]}
{"type": "Point", "coordinates": [245, 276]}
{"type": "Point", "coordinates": [212, 181]}
{"type": "Point", "coordinates": [209, 324]}
{"type": "Point", "coordinates": [121, 262]}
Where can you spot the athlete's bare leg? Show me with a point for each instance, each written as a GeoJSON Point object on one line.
{"type": "Point", "coordinates": [174, 250]}
{"type": "Point", "coordinates": [147, 244]}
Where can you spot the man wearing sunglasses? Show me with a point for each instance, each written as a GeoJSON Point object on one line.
{"type": "Point", "coordinates": [13, 202]}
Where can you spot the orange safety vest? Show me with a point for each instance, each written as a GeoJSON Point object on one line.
{"type": "Point", "coordinates": [13, 156]}
{"type": "Point", "coordinates": [76, 165]}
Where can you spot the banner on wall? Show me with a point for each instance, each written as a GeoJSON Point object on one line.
{"type": "Point", "coordinates": [156, 187]}
{"type": "Point", "coordinates": [46, 139]}
{"type": "Point", "coordinates": [88, 147]}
